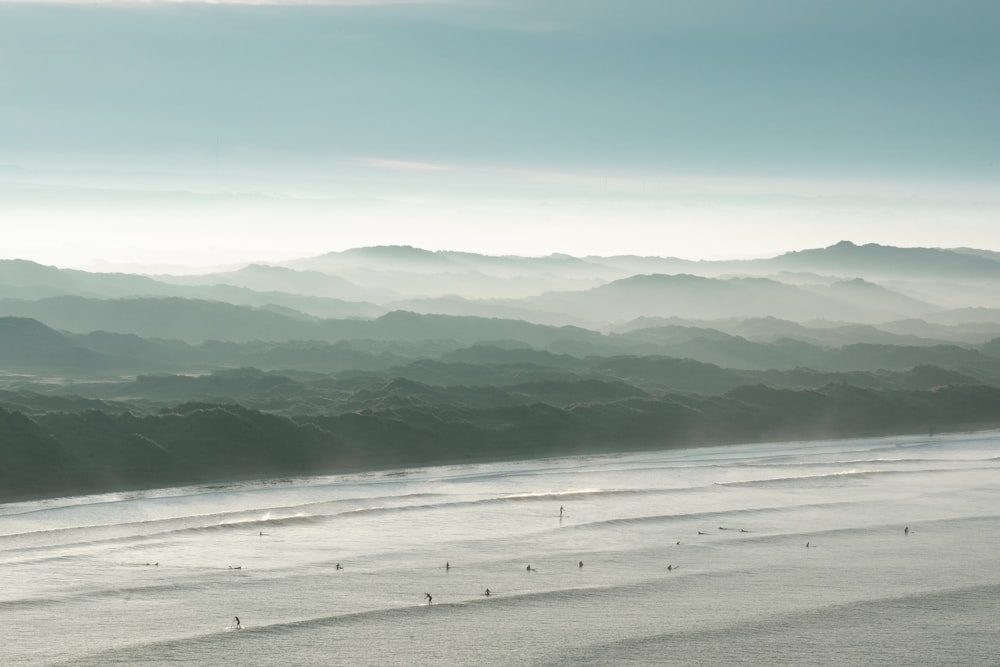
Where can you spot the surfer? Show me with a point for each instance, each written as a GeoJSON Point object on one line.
{"type": "Point", "coordinates": [580, 564]}
{"type": "Point", "coordinates": [669, 568]}
{"type": "Point", "coordinates": [807, 545]}
{"type": "Point", "coordinates": [339, 566]}
{"type": "Point", "coordinates": [701, 533]}
{"type": "Point", "coordinates": [561, 510]}
{"type": "Point", "coordinates": [487, 592]}
{"type": "Point", "coordinates": [678, 542]}
{"type": "Point", "coordinates": [238, 626]}
{"type": "Point", "coordinates": [528, 569]}
{"type": "Point", "coordinates": [447, 566]}
{"type": "Point", "coordinates": [906, 531]}
{"type": "Point", "coordinates": [429, 598]}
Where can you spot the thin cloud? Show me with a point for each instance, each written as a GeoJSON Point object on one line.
{"type": "Point", "coordinates": [403, 165]}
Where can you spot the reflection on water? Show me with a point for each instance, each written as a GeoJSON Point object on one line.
{"type": "Point", "coordinates": [690, 557]}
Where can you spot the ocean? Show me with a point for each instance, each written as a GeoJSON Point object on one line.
{"type": "Point", "coordinates": [882, 551]}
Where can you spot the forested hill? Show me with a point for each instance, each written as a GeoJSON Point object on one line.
{"type": "Point", "coordinates": [396, 356]}
{"type": "Point", "coordinates": [70, 452]}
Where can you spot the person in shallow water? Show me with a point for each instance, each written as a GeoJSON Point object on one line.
{"type": "Point", "coordinates": [906, 531]}
{"type": "Point", "coordinates": [429, 598]}
{"type": "Point", "coordinates": [238, 625]}
{"type": "Point", "coordinates": [487, 592]}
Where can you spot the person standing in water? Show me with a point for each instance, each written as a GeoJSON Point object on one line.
{"type": "Point", "coordinates": [906, 531]}
{"type": "Point", "coordinates": [561, 510]}
{"type": "Point", "coordinates": [429, 598]}
{"type": "Point", "coordinates": [487, 592]}
{"type": "Point", "coordinates": [238, 625]}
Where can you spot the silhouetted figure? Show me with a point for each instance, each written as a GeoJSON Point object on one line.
{"type": "Point", "coordinates": [528, 569]}
{"type": "Point", "coordinates": [807, 545]}
{"type": "Point", "coordinates": [238, 626]}
{"type": "Point", "coordinates": [487, 592]}
{"type": "Point", "coordinates": [906, 531]}
{"type": "Point", "coordinates": [429, 598]}
{"type": "Point", "coordinates": [581, 564]}
{"type": "Point", "coordinates": [447, 566]}
{"type": "Point", "coordinates": [561, 510]}
{"type": "Point", "coordinates": [339, 566]}
{"type": "Point", "coordinates": [669, 568]}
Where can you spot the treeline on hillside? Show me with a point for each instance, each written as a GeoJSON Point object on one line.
{"type": "Point", "coordinates": [60, 453]}
{"type": "Point", "coordinates": [29, 346]}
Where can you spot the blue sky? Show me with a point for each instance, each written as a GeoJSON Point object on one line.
{"type": "Point", "coordinates": [208, 133]}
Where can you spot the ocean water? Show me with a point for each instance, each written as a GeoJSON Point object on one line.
{"type": "Point", "coordinates": [690, 557]}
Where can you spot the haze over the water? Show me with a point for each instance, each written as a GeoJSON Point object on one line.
{"type": "Point", "coordinates": [207, 133]}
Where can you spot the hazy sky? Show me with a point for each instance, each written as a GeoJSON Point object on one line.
{"type": "Point", "coordinates": [183, 132]}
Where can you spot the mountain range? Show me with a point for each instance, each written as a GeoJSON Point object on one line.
{"type": "Point", "coordinates": [393, 355]}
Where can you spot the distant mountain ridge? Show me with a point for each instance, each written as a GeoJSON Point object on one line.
{"type": "Point", "coordinates": [879, 261]}
{"type": "Point", "coordinates": [699, 297]}
{"type": "Point", "coordinates": [280, 303]}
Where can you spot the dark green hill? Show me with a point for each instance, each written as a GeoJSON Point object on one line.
{"type": "Point", "coordinates": [195, 321]}
{"type": "Point", "coordinates": [31, 347]}
{"type": "Point", "coordinates": [33, 463]}
{"type": "Point", "coordinates": [495, 354]}
{"type": "Point", "coordinates": [402, 423]}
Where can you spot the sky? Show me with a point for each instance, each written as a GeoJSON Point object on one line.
{"type": "Point", "coordinates": [194, 133]}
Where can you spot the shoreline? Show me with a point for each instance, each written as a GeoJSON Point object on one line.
{"type": "Point", "coordinates": [406, 470]}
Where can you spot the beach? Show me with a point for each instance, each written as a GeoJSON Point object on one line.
{"type": "Point", "coordinates": [848, 552]}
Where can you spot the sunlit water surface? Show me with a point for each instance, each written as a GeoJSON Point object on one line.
{"type": "Point", "coordinates": [693, 557]}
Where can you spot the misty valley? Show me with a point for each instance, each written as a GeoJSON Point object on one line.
{"type": "Point", "coordinates": [393, 356]}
